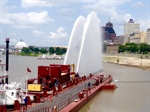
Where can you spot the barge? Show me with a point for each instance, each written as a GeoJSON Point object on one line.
{"type": "Point", "coordinates": [56, 88]}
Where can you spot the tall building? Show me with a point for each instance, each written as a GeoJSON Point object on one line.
{"type": "Point", "coordinates": [148, 36]}
{"type": "Point", "coordinates": [108, 33]}
{"type": "Point", "coordinates": [130, 28]}
{"type": "Point", "coordinates": [138, 37]}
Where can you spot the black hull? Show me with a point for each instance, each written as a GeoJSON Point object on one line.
{"type": "Point", "coordinates": [11, 107]}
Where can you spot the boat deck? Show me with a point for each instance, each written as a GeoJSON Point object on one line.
{"type": "Point", "coordinates": [65, 94]}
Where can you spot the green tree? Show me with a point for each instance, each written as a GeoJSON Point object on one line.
{"type": "Point", "coordinates": [25, 50]}
{"type": "Point", "coordinates": [43, 50]}
{"type": "Point", "coordinates": [133, 48]}
{"type": "Point", "coordinates": [63, 51]}
{"type": "Point", "coordinates": [36, 50]}
{"type": "Point", "coordinates": [58, 50]}
{"type": "Point", "coordinates": [51, 50]}
{"type": "Point", "coordinates": [144, 48]}
{"type": "Point", "coordinates": [122, 48]}
{"type": "Point", "coordinates": [31, 48]}
{"type": "Point", "coordinates": [129, 47]}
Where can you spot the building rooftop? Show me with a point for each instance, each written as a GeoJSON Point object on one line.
{"type": "Point", "coordinates": [131, 21]}
{"type": "Point", "coordinates": [109, 24]}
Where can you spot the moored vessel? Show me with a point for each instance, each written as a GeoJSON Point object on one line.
{"type": "Point", "coordinates": [10, 93]}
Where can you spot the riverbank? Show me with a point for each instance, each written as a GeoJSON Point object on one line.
{"type": "Point", "coordinates": [128, 61]}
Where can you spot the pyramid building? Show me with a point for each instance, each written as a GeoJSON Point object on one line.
{"type": "Point", "coordinates": [20, 45]}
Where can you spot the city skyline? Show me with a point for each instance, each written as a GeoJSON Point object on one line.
{"type": "Point", "coordinates": [49, 23]}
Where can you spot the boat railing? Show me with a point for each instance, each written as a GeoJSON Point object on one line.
{"type": "Point", "coordinates": [58, 106]}
{"type": "Point", "coordinates": [66, 102]}
{"type": "Point", "coordinates": [7, 87]}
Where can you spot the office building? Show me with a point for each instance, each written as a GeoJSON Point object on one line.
{"type": "Point", "coordinates": [108, 33]}
{"type": "Point", "coordinates": [130, 28]}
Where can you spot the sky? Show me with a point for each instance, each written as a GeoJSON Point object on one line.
{"type": "Point", "coordinates": [50, 22]}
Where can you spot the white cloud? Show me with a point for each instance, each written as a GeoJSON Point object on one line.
{"type": "Point", "coordinates": [13, 34]}
{"type": "Point", "coordinates": [120, 19]}
{"type": "Point", "coordinates": [25, 20]}
{"type": "Point", "coordinates": [117, 10]}
{"type": "Point", "coordinates": [38, 33]}
{"type": "Point", "coordinates": [35, 3]}
{"type": "Point", "coordinates": [104, 3]}
{"type": "Point", "coordinates": [60, 33]}
{"type": "Point", "coordinates": [71, 0]}
{"type": "Point", "coordinates": [2, 2]}
{"type": "Point", "coordinates": [66, 11]}
{"type": "Point", "coordinates": [127, 17]}
{"type": "Point", "coordinates": [13, 41]}
{"type": "Point", "coordinates": [49, 3]}
{"type": "Point", "coordinates": [1, 31]}
{"type": "Point", "coordinates": [109, 8]}
{"type": "Point", "coordinates": [5, 21]}
{"type": "Point", "coordinates": [144, 24]}
{"type": "Point", "coordinates": [32, 17]}
{"type": "Point", "coordinates": [53, 38]}
{"type": "Point", "coordinates": [4, 6]}
{"type": "Point", "coordinates": [138, 4]}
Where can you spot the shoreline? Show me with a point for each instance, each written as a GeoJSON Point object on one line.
{"type": "Point", "coordinates": [128, 61]}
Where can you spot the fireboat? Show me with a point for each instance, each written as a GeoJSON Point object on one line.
{"type": "Point", "coordinates": [57, 87]}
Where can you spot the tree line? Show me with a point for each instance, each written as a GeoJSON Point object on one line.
{"type": "Point", "coordinates": [142, 48]}
{"type": "Point", "coordinates": [31, 50]}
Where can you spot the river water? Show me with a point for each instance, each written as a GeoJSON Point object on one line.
{"type": "Point", "coordinates": [132, 94]}
{"type": "Point", "coordinates": [18, 66]}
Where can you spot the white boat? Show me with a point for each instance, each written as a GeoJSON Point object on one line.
{"type": "Point", "coordinates": [11, 92]}
{"type": "Point", "coordinates": [54, 57]}
{"type": "Point", "coordinates": [42, 56]}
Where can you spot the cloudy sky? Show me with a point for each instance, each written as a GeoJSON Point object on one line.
{"type": "Point", "coordinates": [50, 22]}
